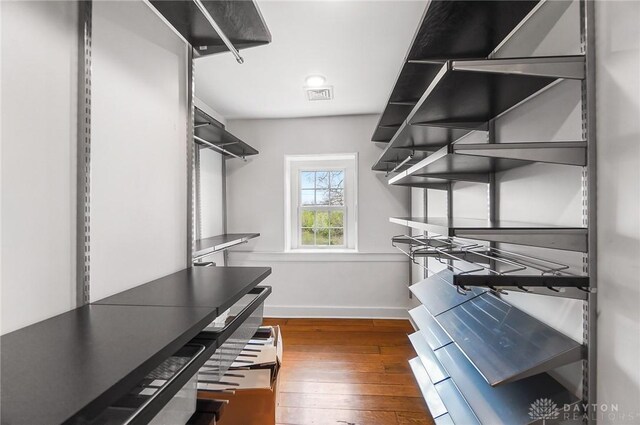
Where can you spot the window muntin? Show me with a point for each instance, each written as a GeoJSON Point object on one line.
{"type": "Point", "coordinates": [322, 208]}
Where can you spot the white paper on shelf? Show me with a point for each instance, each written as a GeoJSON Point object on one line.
{"type": "Point", "coordinates": [239, 380]}
{"type": "Point", "coordinates": [265, 355]}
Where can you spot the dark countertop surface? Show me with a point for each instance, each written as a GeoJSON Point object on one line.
{"type": "Point", "coordinates": [83, 360]}
{"type": "Point", "coordinates": [210, 287]}
{"type": "Point", "coordinates": [88, 357]}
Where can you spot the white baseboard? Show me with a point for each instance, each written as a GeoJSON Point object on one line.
{"type": "Point", "coordinates": [336, 312]}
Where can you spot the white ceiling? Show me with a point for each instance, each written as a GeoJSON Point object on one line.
{"type": "Point", "coordinates": [357, 45]}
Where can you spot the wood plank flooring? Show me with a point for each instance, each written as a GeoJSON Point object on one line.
{"type": "Point", "coordinates": [348, 372]}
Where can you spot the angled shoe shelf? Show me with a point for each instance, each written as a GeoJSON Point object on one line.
{"type": "Point", "coordinates": [210, 133]}
{"type": "Point", "coordinates": [432, 332]}
{"type": "Point", "coordinates": [428, 390]}
{"type": "Point", "coordinates": [239, 21]}
{"type": "Point", "coordinates": [472, 29]}
{"type": "Point", "coordinates": [437, 294]}
{"type": "Point", "coordinates": [428, 359]}
{"type": "Point", "coordinates": [518, 233]}
{"type": "Point", "coordinates": [504, 343]}
{"type": "Point", "coordinates": [507, 404]}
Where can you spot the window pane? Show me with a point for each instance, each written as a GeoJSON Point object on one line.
{"type": "Point", "coordinates": [322, 219]}
{"type": "Point", "coordinates": [308, 218]}
{"type": "Point", "coordinates": [337, 179]}
{"type": "Point", "coordinates": [307, 179]}
{"type": "Point", "coordinates": [308, 237]}
{"type": "Point", "coordinates": [337, 237]}
{"type": "Point", "coordinates": [322, 237]}
{"type": "Point", "coordinates": [322, 197]}
{"type": "Point", "coordinates": [336, 219]}
{"type": "Point", "coordinates": [336, 197]}
{"type": "Point", "coordinates": [307, 197]}
{"type": "Point", "coordinates": [322, 179]}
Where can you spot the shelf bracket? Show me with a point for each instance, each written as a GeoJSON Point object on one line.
{"type": "Point", "coordinates": [570, 67]}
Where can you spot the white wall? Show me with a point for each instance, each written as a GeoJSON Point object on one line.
{"type": "Point", "coordinates": [618, 105]}
{"type": "Point", "coordinates": [139, 166]}
{"type": "Point", "coordinates": [369, 284]}
{"type": "Point", "coordinates": [211, 208]}
{"type": "Point", "coordinates": [39, 55]}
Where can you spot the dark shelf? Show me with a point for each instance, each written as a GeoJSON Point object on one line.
{"type": "Point", "coordinates": [419, 140]}
{"type": "Point", "coordinates": [218, 243]}
{"type": "Point", "coordinates": [241, 22]}
{"type": "Point", "coordinates": [78, 363]}
{"type": "Point", "coordinates": [504, 343]}
{"type": "Point", "coordinates": [475, 162]}
{"type": "Point", "coordinates": [530, 234]}
{"type": "Point", "coordinates": [448, 30]}
{"type": "Point", "coordinates": [213, 132]}
{"type": "Point", "coordinates": [466, 94]}
{"type": "Point", "coordinates": [95, 354]}
{"type": "Point", "coordinates": [217, 288]}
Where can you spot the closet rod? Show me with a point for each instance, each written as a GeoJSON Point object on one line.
{"type": "Point", "coordinates": [218, 148]}
{"type": "Point", "coordinates": [218, 30]}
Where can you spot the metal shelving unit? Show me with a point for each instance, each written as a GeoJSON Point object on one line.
{"type": "Point", "coordinates": [472, 29]}
{"type": "Point", "coordinates": [530, 234]}
{"type": "Point", "coordinates": [208, 132]}
{"type": "Point", "coordinates": [208, 246]}
{"type": "Point", "coordinates": [196, 21]}
{"type": "Point", "coordinates": [481, 360]}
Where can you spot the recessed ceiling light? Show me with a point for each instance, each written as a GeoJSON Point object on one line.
{"type": "Point", "coordinates": [315, 81]}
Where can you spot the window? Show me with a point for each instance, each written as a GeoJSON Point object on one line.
{"type": "Point", "coordinates": [321, 202]}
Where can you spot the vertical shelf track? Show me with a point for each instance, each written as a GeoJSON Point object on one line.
{"type": "Point", "coordinates": [589, 320]}
{"type": "Point", "coordinates": [83, 153]}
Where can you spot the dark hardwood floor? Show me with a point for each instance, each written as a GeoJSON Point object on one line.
{"type": "Point", "coordinates": [348, 372]}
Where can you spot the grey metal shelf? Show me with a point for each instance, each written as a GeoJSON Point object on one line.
{"type": "Point", "coordinates": [210, 130]}
{"type": "Point", "coordinates": [428, 390]}
{"type": "Point", "coordinates": [208, 246]}
{"type": "Point", "coordinates": [240, 21]}
{"type": "Point", "coordinates": [472, 29]}
{"type": "Point", "coordinates": [437, 294]}
{"type": "Point", "coordinates": [475, 162]}
{"type": "Point", "coordinates": [428, 358]}
{"type": "Point", "coordinates": [432, 332]}
{"type": "Point", "coordinates": [504, 343]}
{"type": "Point", "coordinates": [530, 234]}
{"type": "Point", "coordinates": [507, 404]}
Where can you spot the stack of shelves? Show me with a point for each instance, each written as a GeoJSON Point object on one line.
{"type": "Point", "coordinates": [448, 30]}
{"type": "Point", "coordinates": [208, 132]}
{"type": "Point", "coordinates": [479, 359]}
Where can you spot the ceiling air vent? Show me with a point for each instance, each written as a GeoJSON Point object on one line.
{"type": "Point", "coordinates": [319, 93]}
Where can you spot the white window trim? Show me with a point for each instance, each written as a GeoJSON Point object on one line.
{"type": "Point", "coordinates": [295, 163]}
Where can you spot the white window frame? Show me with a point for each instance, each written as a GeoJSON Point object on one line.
{"type": "Point", "coordinates": [294, 164]}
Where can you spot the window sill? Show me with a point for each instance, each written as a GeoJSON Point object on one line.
{"type": "Point", "coordinates": [322, 251]}
{"type": "Point", "coordinates": [324, 256]}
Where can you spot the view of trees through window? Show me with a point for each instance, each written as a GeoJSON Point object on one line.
{"type": "Point", "coordinates": [322, 208]}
